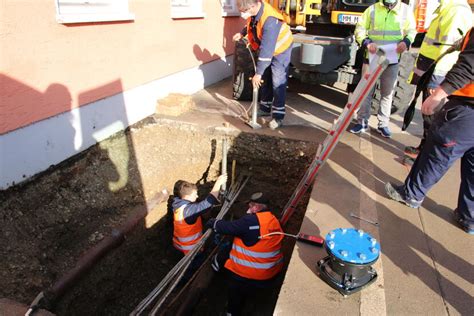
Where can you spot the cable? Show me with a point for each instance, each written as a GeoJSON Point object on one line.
{"type": "Point", "coordinates": [179, 269]}
{"type": "Point", "coordinates": [277, 233]}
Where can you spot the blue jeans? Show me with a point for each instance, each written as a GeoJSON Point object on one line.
{"type": "Point", "coordinates": [273, 90]}
{"type": "Point", "coordinates": [451, 136]}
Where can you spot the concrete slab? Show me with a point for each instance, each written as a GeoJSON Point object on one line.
{"type": "Point", "coordinates": [426, 263]}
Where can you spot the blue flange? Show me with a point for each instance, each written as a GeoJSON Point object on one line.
{"type": "Point", "coordinates": [352, 245]}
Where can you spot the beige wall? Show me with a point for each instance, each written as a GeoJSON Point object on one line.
{"type": "Point", "coordinates": [47, 68]}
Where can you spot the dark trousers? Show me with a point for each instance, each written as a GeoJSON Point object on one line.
{"type": "Point", "coordinates": [273, 90]}
{"type": "Point", "coordinates": [240, 289]}
{"type": "Point", "coordinates": [450, 137]}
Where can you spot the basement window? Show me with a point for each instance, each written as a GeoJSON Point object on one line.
{"type": "Point", "coordinates": [83, 11]}
{"type": "Point", "coordinates": [186, 9]}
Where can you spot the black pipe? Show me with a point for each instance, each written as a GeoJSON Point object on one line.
{"type": "Point", "coordinates": [92, 256]}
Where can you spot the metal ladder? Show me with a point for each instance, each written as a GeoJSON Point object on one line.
{"type": "Point", "coordinates": [362, 90]}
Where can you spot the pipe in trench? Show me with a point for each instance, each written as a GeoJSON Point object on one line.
{"type": "Point", "coordinates": [46, 298]}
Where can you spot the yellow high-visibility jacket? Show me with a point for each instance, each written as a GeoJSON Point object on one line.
{"type": "Point", "coordinates": [384, 26]}
{"type": "Point", "coordinates": [451, 16]}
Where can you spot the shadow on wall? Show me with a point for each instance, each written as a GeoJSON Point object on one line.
{"type": "Point", "coordinates": [220, 67]}
{"type": "Point", "coordinates": [84, 198]}
{"type": "Point", "coordinates": [18, 98]}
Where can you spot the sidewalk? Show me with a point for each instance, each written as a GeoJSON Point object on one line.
{"type": "Point", "coordinates": [426, 263]}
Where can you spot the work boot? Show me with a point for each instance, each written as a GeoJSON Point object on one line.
{"type": "Point", "coordinates": [261, 113]}
{"type": "Point", "coordinates": [274, 124]}
{"type": "Point", "coordinates": [359, 128]}
{"type": "Point", "coordinates": [411, 151]}
{"type": "Point", "coordinates": [397, 193]}
{"type": "Point", "coordinates": [384, 131]}
{"type": "Point", "coordinates": [467, 227]}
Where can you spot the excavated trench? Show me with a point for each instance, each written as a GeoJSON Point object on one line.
{"type": "Point", "coordinates": [48, 222]}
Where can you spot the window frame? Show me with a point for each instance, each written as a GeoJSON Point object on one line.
{"type": "Point", "coordinates": [188, 9]}
{"type": "Point", "coordinates": [232, 11]}
{"type": "Point", "coordinates": [70, 18]}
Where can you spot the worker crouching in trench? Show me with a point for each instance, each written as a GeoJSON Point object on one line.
{"type": "Point", "coordinates": [255, 258]}
{"type": "Point", "coordinates": [187, 223]}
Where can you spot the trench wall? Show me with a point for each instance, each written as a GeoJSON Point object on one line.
{"type": "Point", "coordinates": [49, 221]}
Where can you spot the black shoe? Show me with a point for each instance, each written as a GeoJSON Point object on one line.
{"type": "Point", "coordinates": [396, 193]}
{"type": "Point", "coordinates": [468, 228]}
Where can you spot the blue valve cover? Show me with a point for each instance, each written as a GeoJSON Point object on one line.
{"type": "Point", "coordinates": [352, 245]}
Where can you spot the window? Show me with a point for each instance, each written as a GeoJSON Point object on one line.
{"type": "Point", "coordinates": [229, 8]}
{"type": "Point", "coordinates": [81, 11]}
{"type": "Point", "coordinates": [183, 9]}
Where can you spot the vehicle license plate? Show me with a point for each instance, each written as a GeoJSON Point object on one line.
{"type": "Point", "coordinates": [348, 19]}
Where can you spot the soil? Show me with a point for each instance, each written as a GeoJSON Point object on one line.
{"type": "Point", "coordinates": [48, 222]}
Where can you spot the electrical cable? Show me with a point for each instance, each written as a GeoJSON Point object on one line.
{"type": "Point", "coordinates": [179, 269]}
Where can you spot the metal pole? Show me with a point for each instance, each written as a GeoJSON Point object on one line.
{"type": "Point", "coordinates": [224, 161]}
{"type": "Point", "coordinates": [253, 122]}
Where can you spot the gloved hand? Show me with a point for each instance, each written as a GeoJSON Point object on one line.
{"type": "Point", "coordinates": [210, 223]}
{"type": "Point", "coordinates": [217, 239]}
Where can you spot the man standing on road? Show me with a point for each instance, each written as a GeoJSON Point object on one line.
{"type": "Point", "coordinates": [269, 35]}
{"type": "Point", "coordinates": [453, 19]}
{"type": "Point", "coordinates": [255, 257]}
{"type": "Point", "coordinates": [451, 136]}
{"type": "Point", "coordinates": [383, 23]}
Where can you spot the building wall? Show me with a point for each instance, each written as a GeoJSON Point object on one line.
{"type": "Point", "coordinates": [65, 87]}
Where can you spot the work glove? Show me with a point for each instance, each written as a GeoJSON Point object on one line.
{"type": "Point", "coordinates": [210, 223]}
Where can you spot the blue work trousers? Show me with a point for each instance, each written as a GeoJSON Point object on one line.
{"type": "Point", "coordinates": [450, 137]}
{"type": "Point", "coordinates": [273, 89]}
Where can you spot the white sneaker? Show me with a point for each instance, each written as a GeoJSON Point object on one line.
{"type": "Point", "coordinates": [274, 124]}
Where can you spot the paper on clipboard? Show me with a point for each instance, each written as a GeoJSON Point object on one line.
{"type": "Point", "coordinates": [390, 53]}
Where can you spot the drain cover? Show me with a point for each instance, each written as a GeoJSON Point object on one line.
{"type": "Point", "coordinates": [347, 268]}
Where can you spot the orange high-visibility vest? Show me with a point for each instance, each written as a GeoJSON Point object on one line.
{"type": "Point", "coordinates": [467, 90]}
{"type": "Point", "coordinates": [285, 38]}
{"type": "Point", "coordinates": [263, 260]}
{"type": "Point", "coordinates": [185, 236]}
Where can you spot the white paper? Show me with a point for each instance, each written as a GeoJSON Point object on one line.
{"type": "Point", "coordinates": [390, 53]}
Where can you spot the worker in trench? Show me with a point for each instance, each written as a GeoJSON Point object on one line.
{"type": "Point", "coordinates": [271, 37]}
{"type": "Point", "coordinates": [187, 222]}
{"type": "Point", "coordinates": [254, 259]}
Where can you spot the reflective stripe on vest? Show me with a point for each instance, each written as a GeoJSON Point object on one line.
{"type": "Point", "coordinates": [380, 33]}
{"type": "Point", "coordinates": [185, 236]}
{"type": "Point", "coordinates": [467, 90]}
{"type": "Point", "coordinates": [190, 238]}
{"type": "Point", "coordinates": [263, 260]}
{"type": "Point", "coordinates": [285, 38]}
{"type": "Point", "coordinates": [255, 265]}
{"type": "Point", "coordinates": [434, 32]}
{"type": "Point", "coordinates": [255, 254]}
